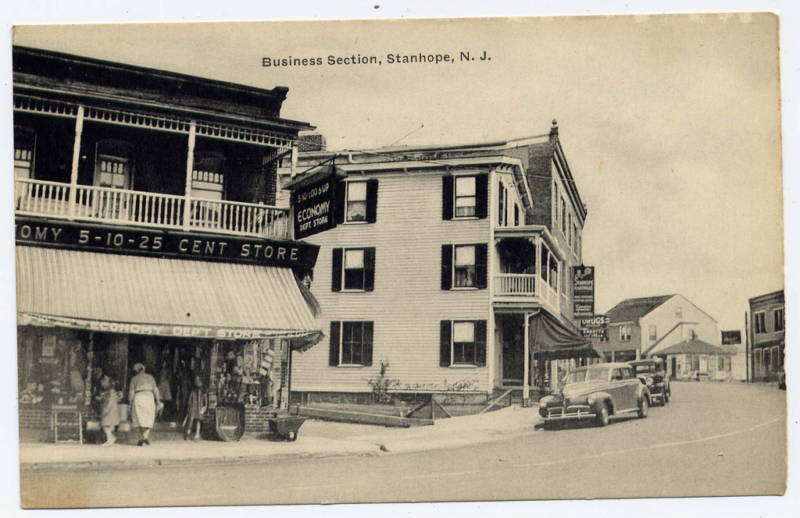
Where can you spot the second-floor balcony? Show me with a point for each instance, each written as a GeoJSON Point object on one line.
{"type": "Point", "coordinates": [138, 208]}
{"type": "Point", "coordinates": [512, 287]}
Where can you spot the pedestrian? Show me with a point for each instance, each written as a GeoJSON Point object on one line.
{"type": "Point", "coordinates": [109, 413]}
{"type": "Point", "coordinates": [196, 409]}
{"type": "Point", "coordinates": [145, 401]}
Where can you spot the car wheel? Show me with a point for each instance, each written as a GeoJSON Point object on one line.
{"type": "Point", "coordinates": [602, 415]}
{"type": "Point", "coordinates": [644, 407]}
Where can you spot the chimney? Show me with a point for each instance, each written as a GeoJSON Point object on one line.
{"type": "Point", "coordinates": [554, 131]}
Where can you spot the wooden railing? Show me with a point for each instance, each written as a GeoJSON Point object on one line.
{"type": "Point", "coordinates": [515, 284]}
{"type": "Point", "coordinates": [122, 206]}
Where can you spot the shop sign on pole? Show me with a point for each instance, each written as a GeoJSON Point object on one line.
{"type": "Point", "coordinates": [595, 327]}
{"type": "Point", "coordinates": [313, 206]}
{"type": "Point", "coordinates": [583, 291]}
{"type": "Point", "coordinates": [731, 337]}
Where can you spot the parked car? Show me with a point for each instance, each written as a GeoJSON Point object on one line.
{"type": "Point", "coordinates": [653, 373]}
{"type": "Point", "coordinates": [596, 392]}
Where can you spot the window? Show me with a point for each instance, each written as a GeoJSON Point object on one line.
{"type": "Point", "coordinates": [624, 333]}
{"type": "Point", "coordinates": [553, 272]}
{"type": "Point", "coordinates": [353, 269]}
{"type": "Point", "coordinates": [463, 342]}
{"type": "Point", "coordinates": [777, 319]}
{"type": "Point", "coordinates": [464, 266]}
{"type": "Point", "coordinates": [569, 229]}
{"type": "Point", "coordinates": [759, 325]}
{"type": "Point", "coordinates": [678, 312]}
{"type": "Point", "coordinates": [694, 360]}
{"type": "Point", "coordinates": [574, 241]}
{"type": "Point", "coordinates": [24, 144]}
{"type": "Point", "coordinates": [758, 366]}
{"type": "Point", "coordinates": [721, 363]}
{"type": "Point", "coordinates": [563, 216]}
{"type": "Point", "coordinates": [208, 177]}
{"type": "Point", "coordinates": [501, 204]}
{"type": "Point", "coordinates": [465, 201]}
{"type": "Point", "coordinates": [113, 166]}
{"type": "Point", "coordinates": [516, 215]}
{"type": "Point", "coordinates": [652, 332]}
{"type": "Point", "coordinates": [351, 343]}
{"type": "Point", "coordinates": [775, 359]}
{"type": "Point", "coordinates": [356, 202]}
{"type": "Point", "coordinates": [466, 197]}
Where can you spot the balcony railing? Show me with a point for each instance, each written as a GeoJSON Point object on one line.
{"type": "Point", "coordinates": [526, 285]}
{"type": "Point", "coordinates": [126, 207]}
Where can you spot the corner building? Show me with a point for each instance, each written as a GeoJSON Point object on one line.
{"type": "Point", "coordinates": [439, 256]}
{"type": "Point", "coordinates": [147, 231]}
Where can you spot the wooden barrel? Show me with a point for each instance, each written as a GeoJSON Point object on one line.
{"type": "Point", "coordinates": [229, 420]}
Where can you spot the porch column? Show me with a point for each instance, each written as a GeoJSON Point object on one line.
{"type": "Point", "coordinates": [537, 265]}
{"type": "Point", "coordinates": [526, 362]}
{"type": "Point", "coordinates": [293, 169]}
{"type": "Point", "coordinates": [76, 157]}
{"type": "Point", "coordinates": [187, 205]}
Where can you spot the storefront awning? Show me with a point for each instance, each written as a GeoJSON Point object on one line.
{"type": "Point", "coordinates": [552, 340]}
{"type": "Point", "coordinates": [155, 296]}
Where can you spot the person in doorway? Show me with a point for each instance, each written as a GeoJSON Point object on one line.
{"type": "Point", "coordinates": [145, 401]}
{"type": "Point", "coordinates": [109, 413]}
{"type": "Point", "coordinates": [196, 409]}
{"type": "Point", "coordinates": [165, 389]}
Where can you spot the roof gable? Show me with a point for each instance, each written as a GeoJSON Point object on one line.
{"type": "Point", "coordinates": [631, 310]}
{"type": "Point", "coordinates": [694, 346]}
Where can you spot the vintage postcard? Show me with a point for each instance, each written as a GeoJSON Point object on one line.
{"type": "Point", "coordinates": [399, 260]}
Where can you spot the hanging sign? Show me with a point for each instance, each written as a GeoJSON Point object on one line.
{"type": "Point", "coordinates": [313, 206]}
{"type": "Point", "coordinates": [583, 291]}
{"type": "Point", "coordinates": [595, 327]}
{"type": "Point", "coordinates": [731, 337]}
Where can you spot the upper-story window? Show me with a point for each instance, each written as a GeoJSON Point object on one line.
{"type": "Point", "coordinates": [777, 319]}
{"type": "Point", "coordinates": [624, 333]}
{"type": "Point", "coordinates": [353, 269]}
{"type": "Point", "coordinates": [678, 312]}
{"type": "Point", "coordinates": [24, 145]}
{"type": "Point", "coordinates": [464, 196]}
{"type": "Point", "coordinates": [760, 323]}
{"type": "Point", "coordinates": [501, 203]}
{"type": "Point", "coordinates": [652, 332]}
{"type": "Point", "coordinates": [516, 215]}
{"type": "Point", "coordinates": [464, 266]}
{"type": "Point", "coordinates": [114, 164]}
{"type": "Point", "coordinates": [356, 202]}
{"type": "Point", "coordinates": [208, 176]}
{"type": "Point", "coordinates": [563, 216]}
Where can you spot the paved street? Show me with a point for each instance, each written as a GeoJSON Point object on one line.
{"type": "Point", "coordinates": [712, 439]}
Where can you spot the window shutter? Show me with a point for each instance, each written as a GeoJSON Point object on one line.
{"type": "Point", "coordinates": [447, 197]}
{"type": "Point", "coordinates": [336, 273]}
{"type": "Point", "coordinates": [481, 195]}
{"type": "Point", "coordinates": [444, 343]}
{"type": "Point", "coordinates": [481, 252]}
{"type": "Point", "coordinates": [367, 347]}
{"type": "Point", "coordinates": [480, 343]}
{"type": "Point", "coordinates": [447, 266]}
{"type": "Point", "coordinates": [339, 199]}
{"type": "Point", "coordinates": [372, 200]}
{"type": "Point", "coordinates": [333, 359]}
{"type": "Point", "coordinates": [369, 269]}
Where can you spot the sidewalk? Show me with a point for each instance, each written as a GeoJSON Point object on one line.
{"type": "Point", "coordinates": [316, 439]}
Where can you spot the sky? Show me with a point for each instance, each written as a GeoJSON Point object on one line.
{"type": "Point", "coordinates": [670, 124]}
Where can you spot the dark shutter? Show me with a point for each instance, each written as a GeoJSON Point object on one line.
{"type": "Point", "coordinates": [480, 343]}
{"type": "Point", "coordinates": [338, 206]}
{"type": "Point", "coordinates": [447, 266]}
{"type": "Point", "coordinates": [372, 200]}
{"type": "Point", "coordinates": [444, 343]}
{"type": "Point", "coordinates": [367, 345]}
{"type": "Point", "coordinates": [447, 197]}
{"type": "Point", "coordinates": [336, 272]}
{"type": "Point", "coordinates": [369, 269]}
{"type": "Point", "coordinates": [481, 195]}
{"type": "Point", "coordinates": [333, 359]}
{"type": "Point", "coordinates": [481, 252]}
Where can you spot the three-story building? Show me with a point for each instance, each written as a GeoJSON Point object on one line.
{"type": "Point", "coordinates": [444, 264]}
{"type": "Point", "coordinates": [767, 336]}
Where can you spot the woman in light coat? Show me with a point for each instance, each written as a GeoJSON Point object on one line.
{"type": "Point", "coordinates": [145, 401]}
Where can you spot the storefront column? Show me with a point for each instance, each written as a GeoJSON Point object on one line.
{"type": "Point", "coordinates": [187, 205]}
{"type": "Point", "coordinates": [526, 388]}
{"type": "Point", "coordinates": [76, 157]}
{"type": "Point", "coordinates": [87, 387]}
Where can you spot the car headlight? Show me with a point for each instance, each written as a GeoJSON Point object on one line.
{"type": "Point", "coordinates": [543, 403]}
{"type": "Point", "coordinates": [590, 400]}
{"type": "Point", "coordinates": [649, 381]}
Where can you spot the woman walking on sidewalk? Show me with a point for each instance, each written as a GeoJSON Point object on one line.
{"type": "Point", "coordinates": [109, 413]}
{"type": "Point", "coordinates": [144, 401]}
{"type": "Point", "coordinates": [198, 403]}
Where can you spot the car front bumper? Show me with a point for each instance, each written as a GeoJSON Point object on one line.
{"type": "Point", "coordinates": [570, 412]}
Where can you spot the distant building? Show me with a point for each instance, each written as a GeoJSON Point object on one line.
{"type": "Point", "coordinates": [696, 359]}
{"type": "Point", "coordinates": [649, 326]}
{"type": "Point", "coordinates": [767, 329]}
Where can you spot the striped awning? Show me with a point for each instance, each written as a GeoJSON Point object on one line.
{"type": "Point", "coordinates": [155, 296]}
